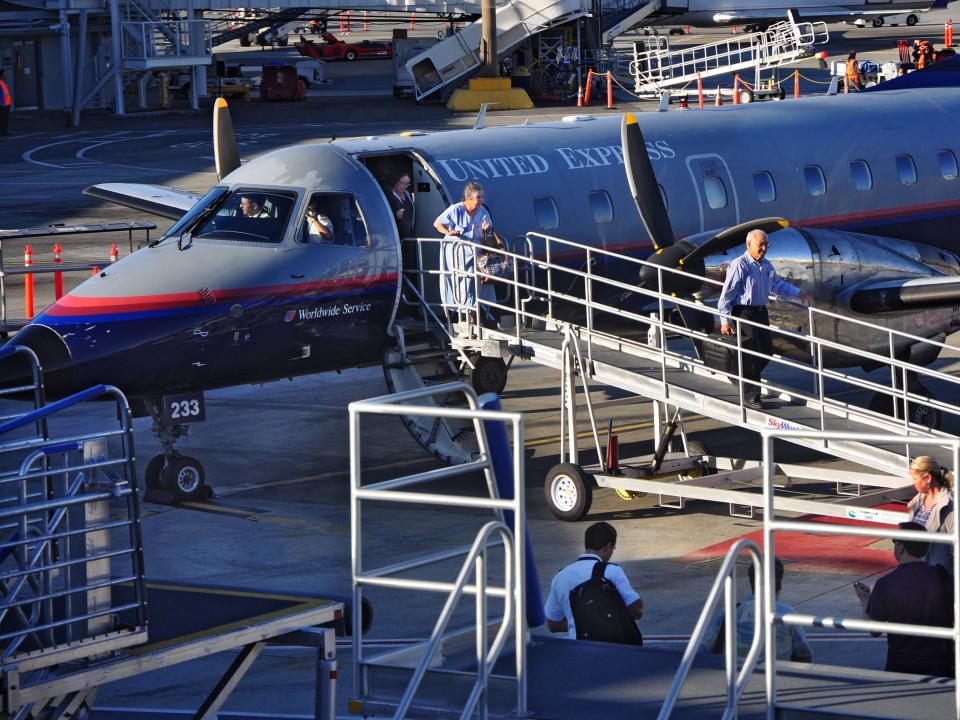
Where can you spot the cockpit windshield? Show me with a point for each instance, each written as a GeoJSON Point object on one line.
{"type": "Point", "coordinates": [243, 215]}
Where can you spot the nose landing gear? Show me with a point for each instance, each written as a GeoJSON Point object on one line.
{"type": "Point", "coordinates": [171, 477]}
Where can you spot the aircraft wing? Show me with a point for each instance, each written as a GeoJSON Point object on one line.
{"type": "Point", "coordinates": [883, 296]}
{"type": "Point", "coordinates": [159, 200]}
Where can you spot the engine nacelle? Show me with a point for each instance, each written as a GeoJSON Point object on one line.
{"type": "Point", "coordinates": [831, 266]}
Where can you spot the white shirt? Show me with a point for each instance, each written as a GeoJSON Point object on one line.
{"type": "Point", "coordinates": [313, 232]}
{"type": "Point", "coordinates": [558, 601]}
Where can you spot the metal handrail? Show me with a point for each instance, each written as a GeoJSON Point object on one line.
{"type": "Point", "coordinates": [902, 395]}
{"type": "Point", "coordinates": [419, 402]}
{"type": "Point", "coordinates": [781, 43]}
{"type": "Point", "coordinates": [727, 581]}
{"type": "Point", "coordinates": [486, 658]}
{"type": "Point", "coordinates": [765, 594]}
{"type": "Point", "coordinates": [771, 526]}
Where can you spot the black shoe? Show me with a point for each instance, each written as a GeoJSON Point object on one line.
{"type": "Point", "coordinates": [753, 402]}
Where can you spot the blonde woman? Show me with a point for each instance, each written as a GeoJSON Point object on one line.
{"type": "Point", "coordinates": [932, 506]}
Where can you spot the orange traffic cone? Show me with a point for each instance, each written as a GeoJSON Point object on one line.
{"type": "Point", "coordinates": [718, 101]}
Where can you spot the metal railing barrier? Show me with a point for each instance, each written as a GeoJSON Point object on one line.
{"type": "Point", "coordinates": [727, 581]}
{"type": "Point", "coordinates": [509, 524]}
{"type": "Point", "coordinates": [578, 293]}
{"type": "Point", "coordinates": [772, 525]}
{"type": "Point", "coordinates": [69, 534]}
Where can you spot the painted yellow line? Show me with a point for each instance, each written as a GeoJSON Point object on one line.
{"type": "Point", "coordinates": [206, 507]}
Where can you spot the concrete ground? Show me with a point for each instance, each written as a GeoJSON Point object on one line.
{"type": "Point", "coordinates": [277, 454]}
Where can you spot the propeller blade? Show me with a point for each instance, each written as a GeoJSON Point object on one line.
{"type": "Point", "coordinates": [643, 183]}
{"type": "Point", "coordinates": [225, 152]}
{"type": "Point", "coordinates": [731, 237]}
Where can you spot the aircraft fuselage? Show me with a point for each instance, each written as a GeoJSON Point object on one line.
{"type": "Point", "coordinates": [200, 312]}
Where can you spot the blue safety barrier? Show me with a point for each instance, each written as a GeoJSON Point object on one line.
{"type": "Point", "coordinates": [502, 460]}
{"type": "Point", "coordinates": [47, 410]}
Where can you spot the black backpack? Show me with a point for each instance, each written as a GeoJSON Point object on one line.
{"type": "Point", "coordinates": [599, 612]}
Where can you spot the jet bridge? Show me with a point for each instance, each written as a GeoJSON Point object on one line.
{"type": "Point", "coordinates": [656, 67]}
{"type": "Point", "coordinates": [577, 309]}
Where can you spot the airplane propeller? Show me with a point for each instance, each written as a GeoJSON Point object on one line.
{"type": "Point", "coordinates": [225, 152]}
{"type": "Point", "coordinates": [643, 184]}
{"type": "Point", "coordinates": [678, 255]}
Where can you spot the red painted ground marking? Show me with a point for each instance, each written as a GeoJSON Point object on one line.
{"type": "Point", "coordinates": [807, 552]}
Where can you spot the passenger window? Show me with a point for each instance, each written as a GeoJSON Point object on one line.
{"type": "Point", "coordinates": [948, 164]}
{"type": "Point", "coordinates": [715, 192]}
{"type": "Point", "coordinates": [816, 183]}
{"type": "Point", "coordinates": [906, 170]}
{"type": "Point", "coordinates": [247, 215]}
{"type": "Point", "coordinates": [763, 183]}
{"type": "Point", "coordinates": [601, 206]}
{"type": "Point", "coordinates": [335, 219]}
{"type": "Point", "coordinates": [545, 210]}
{"type": "Point", "coordinates": [860, 171]}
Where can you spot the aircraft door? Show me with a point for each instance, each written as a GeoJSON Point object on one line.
{"type": "Point", "coordinates": [715, 192]}
{"type": "Point", "coordinates": [429, 201]}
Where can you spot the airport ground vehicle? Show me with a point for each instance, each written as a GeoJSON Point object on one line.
{"type": "Point", "coordinates": [335, 49]}
{"type": "Point", "coordinates": [280, 82]}
{"type": "Point", "coordinates": [310, 71]}
{"type": "Point", "coordinates": [910, 19]}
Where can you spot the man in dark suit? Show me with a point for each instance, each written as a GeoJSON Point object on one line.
{"type": "Point", "coordinates": [401, 203]}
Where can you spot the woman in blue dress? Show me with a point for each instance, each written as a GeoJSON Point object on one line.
{"type": "Point", "coordinates": [466, 220]}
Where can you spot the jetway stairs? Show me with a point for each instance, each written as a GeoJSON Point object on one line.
{"type": "Point", "coordinates": [621, 16]}
{"type": "Point", "coordinates": [227, 29]}
{"type": "Point", "coordinates": [452, 58]}
{"type": "Point", "coordinates": [656, 67]}
{"type": "Point", "coordinates": [586, 317]}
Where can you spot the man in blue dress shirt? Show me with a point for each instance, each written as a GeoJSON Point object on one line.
{"type": "Point", "coordinates": [750, 280]}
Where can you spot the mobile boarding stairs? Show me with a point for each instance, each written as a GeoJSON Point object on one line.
{"type": "Point", "coordinates": [481, 569]}
{"type": "Point", "coordinates": [656, 67]}
{"type": "Point", "coordinates": [651, 345]}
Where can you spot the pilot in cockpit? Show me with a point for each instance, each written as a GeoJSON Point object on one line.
{"type": "Point", "coordinates": [319, 226]}
{"type": "Point", "coordinates": [252, 206]}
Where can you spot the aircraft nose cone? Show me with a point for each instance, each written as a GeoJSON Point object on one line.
{"type": "Point", "coordinates": [51, 351]}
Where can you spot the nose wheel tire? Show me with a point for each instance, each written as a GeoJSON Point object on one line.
{"type": "Point", "coordinates": [152, 474]}
{"type": "Point", "coordinates": [184, 477]}
{"type": "Point", "coordinates": [569, 491]}
{"type": "Point", "coordinates": [488, 375]}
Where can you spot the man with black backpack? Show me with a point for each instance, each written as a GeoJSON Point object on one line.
{"type": "Point", "coordinates": [591, 599]}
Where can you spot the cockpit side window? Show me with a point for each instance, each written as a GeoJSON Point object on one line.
{"type": "Point", "coordinates": [335, 219]}
{"type": "Point", "coordinates": [247, 215]}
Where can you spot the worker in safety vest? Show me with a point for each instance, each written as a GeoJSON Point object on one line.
{"type": "Point", "coordinates": [854, 81]}
{"type": "Point", "coordinates": [6, 100]}
{"type": "Point", "coordinates": [923, 56]}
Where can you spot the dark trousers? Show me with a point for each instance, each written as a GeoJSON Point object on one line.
{"type": "Point", "coordinates": [4, 118]}
{"type": "Point", "coordinates": [755, 339]}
